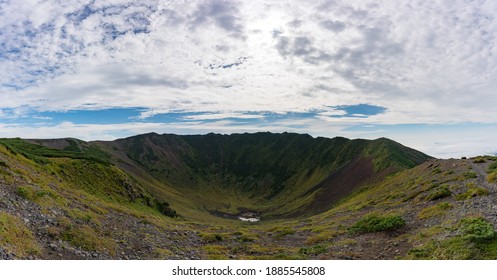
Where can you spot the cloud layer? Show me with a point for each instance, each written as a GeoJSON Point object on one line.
{"type": "Point", "coordinates": [421, 62]}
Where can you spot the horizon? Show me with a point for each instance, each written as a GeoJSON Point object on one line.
{"type": "Point", "coordinates": [419, 73]}
{"type": "Point", "coordinates": [228, 134]}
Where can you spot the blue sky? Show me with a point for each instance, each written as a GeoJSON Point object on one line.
{"type": "Point", "coordinates": [419, 72]}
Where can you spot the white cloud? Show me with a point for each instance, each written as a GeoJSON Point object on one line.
{"type": "Point", "coordinates": [430, 62]}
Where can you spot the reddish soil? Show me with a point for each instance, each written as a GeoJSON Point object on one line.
{"type": "Point", "coordinates": [339, 184]}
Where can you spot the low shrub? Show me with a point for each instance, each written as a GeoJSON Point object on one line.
{"type": "Point", "coordinates": [477, 229]}
{"type": "Point", "coordinates": [472, 191]}
{"type": "Point", "coordinates": [435, 210]}
{"type": "Point", "coordinates": [211, 237]}
{"type": "Point", "coordinates": [479, 160]}
{"type": "Point", "coordinates": [469, 175]}
{"type": "Point", "coordinates": [492, 166]}
{"type": "Point", "coordinates": [16, 237]}
{"type": "Point", "coordinates": [492, 177]}
{"type": "Point", "coordinates": [25, 192]}
{"type": "Point", "coordinates": [313, 250]}
{"type": "Point", "coordinates": [440, 192]}
{"type": "Point", "coordinates": [166, 210]}
{"type": "Point", "coordinates": [374, 223]}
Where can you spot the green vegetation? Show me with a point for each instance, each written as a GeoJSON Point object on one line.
{"type": "Point", "coordinates": [280, 232]}
{"type": "Point", "coordinates": [435, 210]}
{"type": "Point", "coordinates": [477, 230]}
{"type": "Point", "coordinates": [165, 209]}
{"type": "Point", "coordinates": [476, 240]}
{"type": "Point", "coordinates": [468, 175]}
{"type": "Point", "coordinates": [39, 153]}
{"type": "Point", "coordinates": [479, 160]}
{"type": "Point", "coordinates": [439, 192]}
{"type": "Point", "coordinates": [492, 166]}
{"type": "Point", "coordinates": [216, 252]}
{"type": "Point", "coordinates": [211, 237]}
{"type": "Point", "coordinates": [313, 250]}
{"type": "Point", "coordinates": [375, 223]}
{"type": "Point", "coordinates": [473, 191]}
{"type": "Point", "coordinates": [492, 170]}
{"type": "Point", "coordinates": [16, 237]}
{"type": "Point", "coordinates": [324, 236]}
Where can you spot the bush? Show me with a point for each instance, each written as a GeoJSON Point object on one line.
{"type": "Point", "coordinates": [492, 169]}
{"type": "Point", "coordinates": [313, 250]}
{"type": "Point", "coordinates": [469, 175]}
{"type": "Point", "coordinates": [211, 237]}
{"type": "Point", "coordinates": [440, 192]}
{"type": "Point", "coordinates": [166, 210]}
{"type": "Point", "coordinates": [492, 166]}
{"type": "Point", "coordinates": [25, 192]}
{"type": "Point", "coordinates": [472, 191]}
{"type": "Point", "coordinates": [477, 229]}
{"type": "Point", "coordinates": [492, 177]}
{"type": "Point", "coordinates": [435, 210]}
{"type": "Point", "coordinates": [374, 223]}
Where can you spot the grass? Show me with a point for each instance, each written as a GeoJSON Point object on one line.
{"type": "Point", "coordinates": [439, 192]}
{"type": "Point", "coordinates": [435, 210]}
{"type": "Point", "coordinates": [16, 237]}
{"type": "Point", "coordinates": [479, 160]}
{"type": "Point", "coordinates": [476, 229]}
{"type": "Point", "coordinates": [492, 177]}
{"type": "Point", "coordinates": [376, 223]}
{"type": "Point", "coordinates": [216, 252]}
{"type": "Point", "coordinates": [468, 175]}
{"type": "Point", "coordinates": [280, 232]}
{"type": "Point", "coordinates": [313, 250]}
{"type": "Point", "coordinates": [89, 239]}
{"type": "Point", "coordinates": [324, 236]}
{"type": "Point", "coordinates": [476, 239]}
{"type": "Point", "coordinates": [472, 191]}
{"type": "Point", "coordinates": [211, 237]}
{"type": "Point", "coordinates": [492, 170]}
{"type": "Point", "coordinates": [455, 248]}
{"type": "Point", "coordinates": [40, 153]}
{"type": "Point", "coordinates": [242, 236]}
{"type": "Point", "coordinates": [162, 253]}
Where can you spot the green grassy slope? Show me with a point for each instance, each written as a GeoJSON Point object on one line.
{"type": "Point", "coordinates": [81, 166]}
{"type": "Point", "coordinates": [276, 174]}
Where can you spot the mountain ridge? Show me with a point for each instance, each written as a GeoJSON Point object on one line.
{"type": "Point", "coordinates": [265, 166]}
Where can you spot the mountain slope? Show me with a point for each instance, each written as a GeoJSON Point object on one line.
{"type": "Point", "coordinates": [274, 174]}
{"type": "Point", "coordinates": [318, 198]}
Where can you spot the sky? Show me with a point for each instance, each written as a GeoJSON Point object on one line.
{"type": "Point", "coordinates": [423, 73]}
